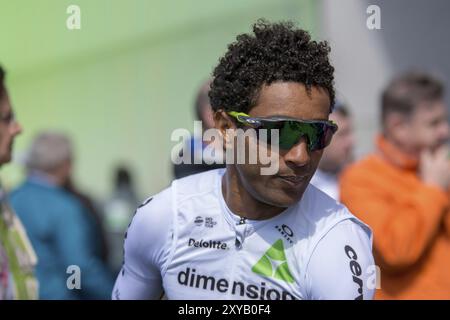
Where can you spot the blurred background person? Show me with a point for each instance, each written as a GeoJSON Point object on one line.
{"type": "Point", "coordinates": [17, 257]}
{"type": "Point", "coordinates": [117, 214]}
{"type": "Point", "coordinates": [337, 155]}
{"type": "Point", "coordinates": [401, 190]}
{"type": "Point", "coordinates": [95, 212]}
{"type": "Point", "coordinates": [197, 145]}
{"type": "Point", "coordinates": [60, 228]}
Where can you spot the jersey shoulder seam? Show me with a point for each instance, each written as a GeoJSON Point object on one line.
{"type": "Point", "coordinates": [173, 229]}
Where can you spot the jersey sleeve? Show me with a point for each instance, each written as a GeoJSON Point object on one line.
{"type": "Point", "coordinates": [146, 250]}
{"type": "Point", "coordinates": [341, 266]}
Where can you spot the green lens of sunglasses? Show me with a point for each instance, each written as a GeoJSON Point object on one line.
{"type": "Point", "coordinates": [318, 134]}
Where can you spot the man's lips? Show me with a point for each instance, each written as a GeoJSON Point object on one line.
{"type": "Point", "coordinates": [293, 180]}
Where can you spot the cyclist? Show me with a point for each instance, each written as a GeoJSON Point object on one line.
{"type": "Point", "coordinates": [236, 233]}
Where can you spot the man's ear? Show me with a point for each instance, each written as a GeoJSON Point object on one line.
{"type": "Point", "coordinates": [223, 122]}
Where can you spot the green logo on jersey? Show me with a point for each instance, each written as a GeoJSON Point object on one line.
{"type": "Point", "coordinates": [273, 263]}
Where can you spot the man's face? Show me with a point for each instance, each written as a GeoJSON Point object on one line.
{"type": "Point", "coordinates": [9, 128]}
{"type": "Point", "coordinates": [340, 151]}
{"type": "Point", "coordinates": [428, 126]}
{"type": "Point", "coordinates": [296, 165]}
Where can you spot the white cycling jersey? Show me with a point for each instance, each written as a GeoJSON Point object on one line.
{"type": "Point", "coordinates": [187, 243]}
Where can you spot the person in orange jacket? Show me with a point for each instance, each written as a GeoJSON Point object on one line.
{"type": "Point", "coordinates": [402, 190]}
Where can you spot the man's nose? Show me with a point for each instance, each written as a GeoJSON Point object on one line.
{"type": "Point", "coordinates": [298, 155]}
{"type": "Point", "coordinates": [15, 128]}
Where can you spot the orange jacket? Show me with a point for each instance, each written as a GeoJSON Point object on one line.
{"type": "Point", "coordinates": [410, 223]}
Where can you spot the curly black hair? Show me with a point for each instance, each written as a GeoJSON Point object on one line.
{"type": "Point", "coordinates": [276, 52]}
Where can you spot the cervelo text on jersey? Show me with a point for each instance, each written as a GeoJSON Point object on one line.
{"type": "Point", "coordinates": [356, 270]}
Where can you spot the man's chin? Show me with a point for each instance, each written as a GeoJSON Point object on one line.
{"type": "Point", "coordinates": [283, 200]}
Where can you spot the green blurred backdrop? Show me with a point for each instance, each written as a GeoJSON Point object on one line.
{"type": "Point", "coordinates": [122, 83]}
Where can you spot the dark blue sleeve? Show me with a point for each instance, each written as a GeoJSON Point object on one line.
{"type": "Point", "coordinates": [76, 244]}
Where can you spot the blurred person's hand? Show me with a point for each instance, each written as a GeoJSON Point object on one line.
{"type": "Point", "coordinates": [435, 167]}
